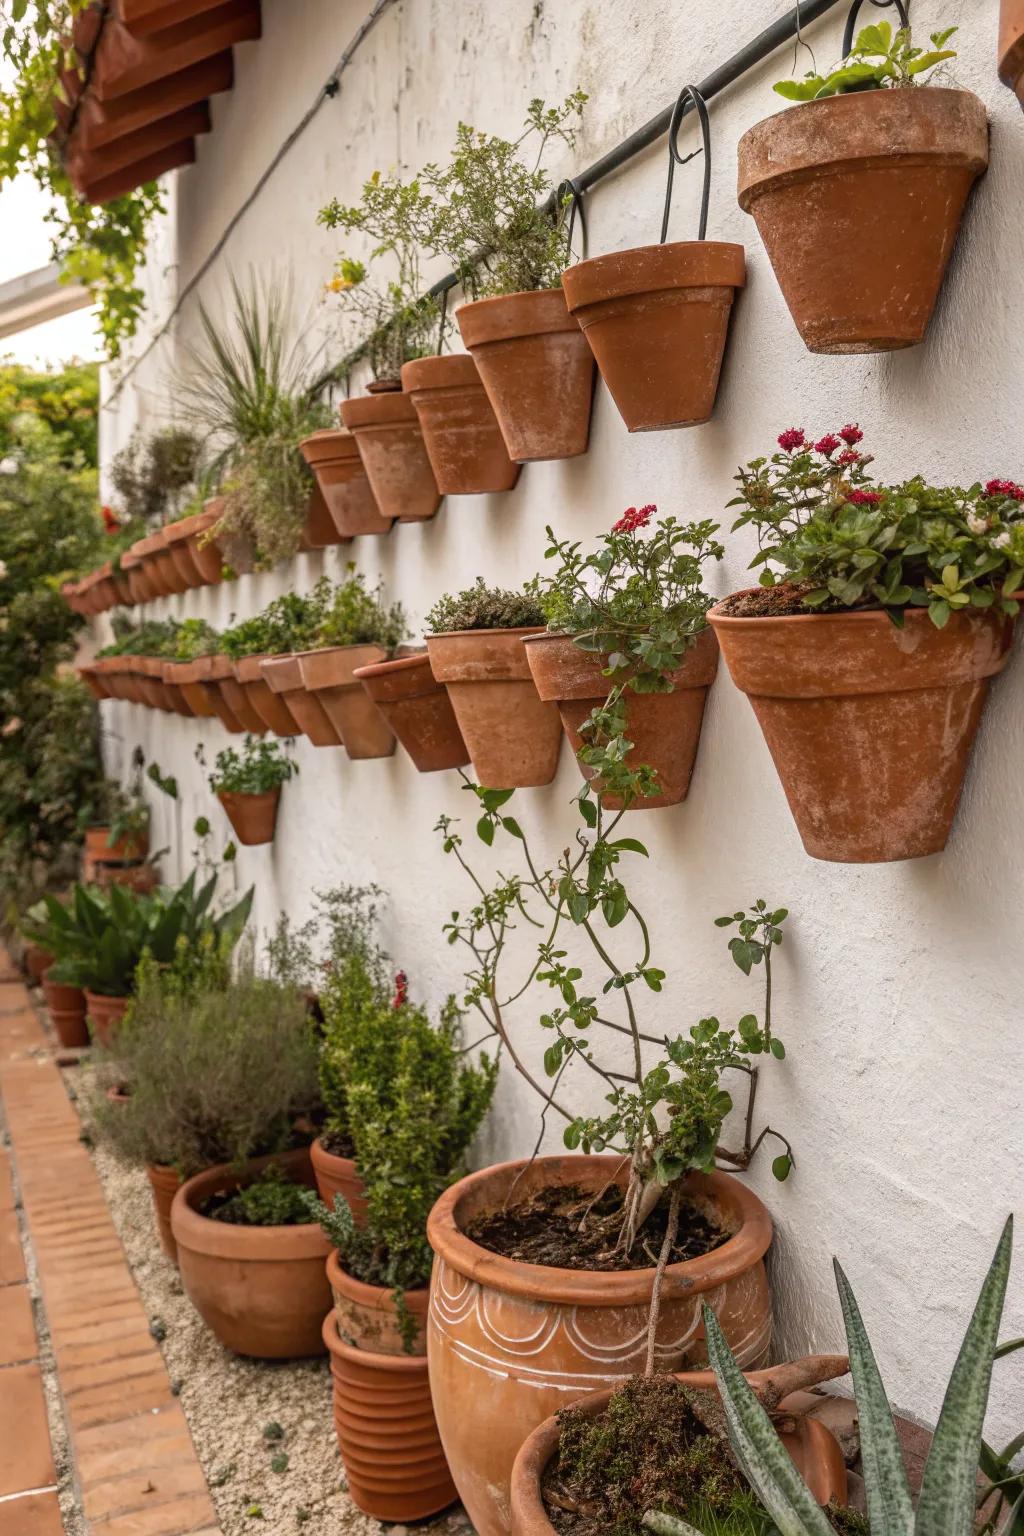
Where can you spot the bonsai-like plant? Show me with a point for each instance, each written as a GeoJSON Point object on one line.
{"type": "Point", "coordinates": [844, 540]}
{"type": "Point", "coordinates": [484, 607]}
{"type": "Point", "coordinates": [356, 616]}
{"type": "Point", "coordinates": [879, 59]}
{"type": "Point", "coordinates": [260, 767]}
{"type": "Point", "coordinates": [289, 623]}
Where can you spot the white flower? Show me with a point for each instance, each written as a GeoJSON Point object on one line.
{"type": "Point", "coordinates": [1002, 540]}
{"type": "Point", "coordinates": [977, 524]}
{"type": "Point", "coordinates": [8, 466]}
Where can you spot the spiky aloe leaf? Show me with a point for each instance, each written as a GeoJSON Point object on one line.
{"type": "Point", "coordinates": [890, 1506]}
{"type": "Point", "coordinates": [668, 1525]}
{"type": "Point", "coordinates": [949, 1487]}
{"type": "Point", "coordinates": [760, 1452]}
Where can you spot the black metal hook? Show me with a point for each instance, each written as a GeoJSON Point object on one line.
{"type": "Point", "coordinates": [575, 191]}
{"type": "Point", "coordinates": [851, 20]}
{"type": "Point", "coordinates": [688, 93]}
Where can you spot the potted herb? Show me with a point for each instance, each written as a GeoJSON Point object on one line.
{"type": "Point", "coordinates": [416, 708]}
{"type": "Point", "coordinates": [123, 836]}
{"type": "Point", "coordinates": [867, 659]}
{"type": "Point", "coordinates": [248, 786]}
{"type": "Point", "coordinates": [502, 226]}
{"type": "Point", "coordinates": [874, 159]}
{"type": "Point", "coordinates": [1011, 46]}
{"type": "Point", "coordinates": [194, 640]}
{"type": "Point", "coordinates": [629, 657]}
{"type": "Point", "coordinates": [286, 625]}
{"type": "Point", "coordinates": [476, 650]}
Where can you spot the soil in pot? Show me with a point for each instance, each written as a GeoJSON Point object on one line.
{"type": "Point", "coordinates": [67, 1009]}
{"type": "Point", "coordinates": [328, 675]}
{"type": "Point", "coordinates": [253, 817]}
{"type": "Point", "coordinates": [335, 1173]}
{"type": "Point", "coordinates": [333, 456]}
{"type": "Point", "coordinates": [460, 430]}
{"type": "Point", "coordinates": [417, 708]}
{"type": "Point", "coordinates": [838, 186]}
{"type": "Point", "coordinates": [104, 1015]}
{"type": "Point", "coordinates": [164, 1183]}
{"type": "Point", "coordinates": [387, 431]}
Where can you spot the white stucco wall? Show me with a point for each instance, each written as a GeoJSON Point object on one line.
{"type": "Point", "coordinates": [899, 989]}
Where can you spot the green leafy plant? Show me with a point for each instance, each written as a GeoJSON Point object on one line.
{"type": "Point", "coordinates": [64, 398]}
{"type": "Point", "coordinates": [152, 475]}
{"type": "Point", "coordinates": [260, 767]}
{"type": "Point", "coordinates": [271, 1200]}
{"type": "Point", "coordinates": [344, 924]}
{"type": "Point", "coordinates": [484, 607]}
{"type": "Point", "coordinates": [289, 623]}
{"type": "Point", "coordinates": [881, 58]}
{"type": "Point", "coordinates": [357, 616]}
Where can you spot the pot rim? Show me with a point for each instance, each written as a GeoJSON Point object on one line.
{"type": "Point", "coordinates": [627, 273]}
{"type": "Point", "coordinates": [186, 527]}
{"type": "Point", "coordinates": [456, 634]}
{"type": "Point", "coordinates": [329, 445]}
{"type": "Point", "coordinates": [446, 370]}
{"type": "Point", "coordinates": [318, 1150]}
{"type": "Point", "coordinates": [224, 1240]}
{"type": "Point", "coordinates": [857, 615]}
{"type": "Point", "coordinates": [404, 1365]}
{"type": "Point", "coordinates": [492, 320]}
{"type": "Point", "coordinates": [390, 408]}
{"type": "Point", "coordinates": [396, 664]}
{"type": "Point", "coordinates": [379, 1296]}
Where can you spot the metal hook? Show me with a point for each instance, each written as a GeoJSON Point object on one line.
{"type": "Point", "coordinates": [688, 93]}
{"type": "Point", "coordinates": [851, 20]}
{"type": "Point", "coordinates": [443, 320]}
{"type": "Point", "coordinates": [572, 186]}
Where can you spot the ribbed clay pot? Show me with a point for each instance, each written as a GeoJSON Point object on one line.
{"type": "Point", "coordinates": [153, 572]}
{"type": "Point", "coordinates": [235, 696]}
{"type": "Point", "coordinates": [1011, 46]}
{"type": "Point", "coordinates": [870, 727]}
{"type": "Point", "coordinates": [66, 1006]}
{"type": "Point", "coordinates": [537, 369]}
{"type": "Point", "coordinates": [812, 1446]}
{"type": "Point", "coordinates": [368, 1318]}
{"type": "Point", "coordinates": [512, 736]}
{"type": "Point", "coordinates": [206, 555]}
{"type": "Point", "coordinates": [253, 817]}
{"type": "Point", "coordinates": [283, 675]}
{"type": "Point", "coordinates": [387, 1433]}
{"type": "Point", "coordinates": [269, 706]}
{"type": "Point", "coordinates": [461, 432]}
{"type": "Point", "coordinates": [663, 727]}
{"type": "Point", "coordinates": [337, 1175]}
{"type": "Point", "coordinates": [195, 700]}
{"type": "Point", "coordinates": [657, 319]}
{"type": "Point", "coordinates": [519, 1341]}
{"type": "Point", "coordinates": [417, 708]}
{"type": "Point", "coordinates": [333, 456]}
{"type": "Point", "coordinates": [858, 200]}
{"type": "Point", "coordinates": [262, 1290]}
{"type": "Point", "coordinates": [164, 1184]}
{"type": "Point", "coordinates": [94, 680]}
{"type": "Point", "coordinates": [387, 432]}
{"type": "Point", "coordinates": [179, 546]}
{"type": "Point", "coordinates": [329, 675]}
{"type": "Point", "coordinates": [104, 1015]}
{"type": "Point", "coordinates": [170, 574]}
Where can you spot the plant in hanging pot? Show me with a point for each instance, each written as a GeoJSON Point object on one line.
{"type": "Point", "coordinates": [629, 657]}
{"type": "Point", "coordinates": [333, 456]}
{"type": "Point", "coordinates": [476, 650]}
{"type": "Point", "coordinates": [286, 625]}
{"type": "Point", "coordinates": [656, 317]}
{"type": "Point", "coordinates": [868, 660]}
{"type": "Point", "coordinates": [1011, 46]}
{"type": "Point", "coordinates": [532, 357]}
{"type": "Point", "coordinates": [875, 159]}
{"type": "Point", "coordinates": [194, 641]}
{"type": "Point", "coordinates": [417, 709]}
{"type": "Point", "coordinates": [248, 786]}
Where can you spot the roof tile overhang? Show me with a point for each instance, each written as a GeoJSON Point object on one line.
{"type": "Point", "coordinates": [133, 107]}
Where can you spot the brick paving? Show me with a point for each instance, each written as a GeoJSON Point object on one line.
{"type": "Point", "coordinates": [135, 1467]}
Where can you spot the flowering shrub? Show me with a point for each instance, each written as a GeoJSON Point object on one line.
{"type": "Point", "coordinates": [880, 59]}
{"type": "Point", "coordinates": [844, 540]}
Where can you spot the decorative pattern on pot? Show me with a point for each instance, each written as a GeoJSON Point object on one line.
{"type": "Point", "coordinates": [418, 710]}
{"type": "Point", "coordinates": [284, 676]}
{"type": "Point", "coordinates": [1011, 46]}
{"type": "Point", "coordinates": [164, 1184]}
{"type": "Point", "coordinates": [858, 200]}
{"type": "Point", "coordinates": [460, 430]}
{"type": "Point", "coordinates": [870, 727]}
{"type": "Point", "coordinates": [66, 1006]}
{"type": "Point", "coordinates": [270, 707]}
{"type": "Point", "coordinates": [387, 433]}
{"type": "Point", "coordinates": [104, 1015]}
{"type": "Point", "coordinates": [253, 817]}
{"type": "Point", "coordinates": [512, 736]}
{"type": "Point", "coordinates": [537, 369]}
{"type": "Point", "coordinates": [329, 675]}
{"type": "Point", "coordinates": [657, 317]}
{"type": "Point", "coordinates": [519, 1341]}
{"type": "Point", "coordinates": [663, 727]}
{"type": "Point", "coordinates": [337, 1176]}
{"type": "Point", "coordinates": [333, 456]}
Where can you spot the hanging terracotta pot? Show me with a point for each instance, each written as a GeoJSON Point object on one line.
{"type": "Point", "coordinates": [283, 675]}
{"type": "Point", "coordinates": [387, 432]}
{"type": "Point", "coordinates": [333, 456]}
{"type": "Point", "coordinates": [147, 550]}
{"type": "Point", "coordinates": [319, 530]}
{"type": "Point", "coordinates": [233, 552]}
{"type": "Point", "coordinates": [537, 369]}
{"type": "Point", "coordinates": [95, 680]}
{"type": "Point", "coordinates": [1011, 46]}
{"type": "Point", "coordinates": [512, 736]}
{"type": "Point", "coordinates": [271, 707]}
{"type": "Point", "coordinates": [870, 727]}
{"type": "Point", "coordinates": [663, 727]}
{"type": "Point", "coordinates": [196, 682]}
{"type": "Point", "coordinates": [418, 710]}
{"type": "Point", "coordinates": [164, 1183]}
{"type": "Point", "coordinates": [329, 675]}
{"type": "Point", "coordinates": [858, 200]}
{"type": "Point", "coordinates": [179, 540]}
{"type": "Point", "coordinates": [518, 1341]}
{"type": "Point", "coordinates": [206, 554]}
{"type": "Point", "coordinates": [222, 673]}
{"type": "Point", "coordinates": [66, 1006]}
{"type": "Point", "coordinates": [124, 850]}
{"type": "Point", "coordinates": [467, 451]}
{"type": "Point", "coordinates": [336, 1175]}
{"type": "Point", "coordinates": [104, 1015]}
{"type": "Point", "coordinates": [253, 817]}
{"type": "Point", "coordinates": [175, 695]}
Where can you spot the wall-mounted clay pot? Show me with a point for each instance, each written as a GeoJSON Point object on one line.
{"type": "Point", "coordinates": [387, 432]}
{"type": "Point", "coordinates": [253, 817]}
{"type": "Point", "coordinates": [329, 675]}
{"type": "Point", "coordinates": [195, 696]}
{"type": "Point", "coordinates": [336, 1175]}
{"type": "Point", "coordinates": [95, 680]}
{"type": "Point", "coordinates": [870, 727]}
{"type": "Point", "coordinates": [67, 1010]}
{"type": "Point", "coordinates": [206, 554]}
{"type": "Point", "coordinates": [235, 696]}
{"type": "Point", "coordinates": [270, 707]}
{"type": "Point", "coordinates": [164, 1184]}
{"type": "Point", "coordinates": [417, 708]}
{"type": "Point", "coordinates": [178, 544]}
{"type": "Point", "coordinates": [858, 200]}
{"type": "Point", "coordinates": [333, 456]}
{"type": "Point", "coordinates": [207, 673]}
{"type": "Point", "coordinates": [657, 319]}
{"type": "Point", "coordinates": [1011, 46]}
{"type": "Point", "coordinates": [512, 736]}
{"type": "Point", "coordinates": [320, 530]}
{"type": "Point", "coordinates": [153, 574]}
{"type": "Point", "coordinates": [460, 430]}
{"type": "Point", "coordinates": [104, 1015]}
{"type": "Point", "coordinates": [283, 674]}
{"type": "Point", "coordinates": [537, 369]}
{"type": "Point", "coordinates": [175, 694]}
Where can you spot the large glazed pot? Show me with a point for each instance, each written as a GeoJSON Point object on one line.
{"type": "Point", "coordinates": [329, 675]}
{"type": "Point", "coordinates": [164, 1184]}
{"type": "Point", "coordinates": [537, 369]}
{"type": "Point", "coordinates": [1011, 46]}
{"type": "Point", "coordinates": [262, 1290]}
{"type": "Point", "coordinates": [870, 726]}
{"type": "Point", "coordinates": [663, 727]}
{"type": "Point", "coordinates": [461, 432]}
{"type": "Point", "coordinates": [272, 708]}
{"type": "Point", "coordinates": [858, 200]}
{"type": "Point", "coordinates": [511, 1343]}
{"type": "Point", "coordinates": [283, 674]}
{"type": "Point", "coordinates": [333, 456]}
{"type": "Point", "coordinates": [417, 708]}
{"type": "Point", "coordinates": [387, 431]}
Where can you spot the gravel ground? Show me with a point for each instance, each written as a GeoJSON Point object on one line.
{"type": "Point", "coordinates": [263, 1431]}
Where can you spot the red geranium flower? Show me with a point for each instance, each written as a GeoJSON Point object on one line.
{"type": "Point", "coordinates": [401, 990]}
{"type": "Point", "coordinates": [1005, 488]}
{"type": "Point", "coordinates": [851, 434]}
{"type": "Point", "coordinates": [110, 522]}
{"type": "Point", "coordinates": [827, 444]}
{"type": "Point", "coordinates": [865, 498]}
{"type": "Point", "coordinates": [792, 438]}
{"type": "Point", "coordinates": [847, 457]}
{"type": "Point", "coordinates": [634, 518]}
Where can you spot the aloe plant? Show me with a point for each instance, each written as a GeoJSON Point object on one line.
{"type": "Point", "coordinates": [948, 1499]}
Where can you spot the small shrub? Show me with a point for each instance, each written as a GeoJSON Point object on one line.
{"type": "Point", "coordinates": [289, 623]}
{"type": "Point", "coordinates": [152, 474]}
{"type": "Point", "coordinates": [271, 1200]}
{"type": "Point", "coordinates": [484, 607]}
{"type": "Point", "coordinates": [356, 616]}
{"type": "Point", "coordinates": [260, 767]}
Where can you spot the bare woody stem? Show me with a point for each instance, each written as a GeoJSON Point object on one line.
{"type": "Point", "coordinates": [659, 1276]}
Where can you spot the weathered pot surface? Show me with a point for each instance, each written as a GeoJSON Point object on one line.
{"type": "Point", "coordinates": [1011, 46]}
{"type": "Point", "coordinates": [67, 1009]}
{"type": "Point", "coordinates": [271, 707]}
{"type": "Point", "coordinates": [333, 456]}
{"type": "Point", "coordinates": [417, 708]}
{"type": "Point", "coordinates": [283, 674]}
{"type": "Point", "coordinates": [368, 1316]}
{"type": "Point", "coordinates": [253, 817]}
{"type": "Point", "coordinates": [387, 432]}
{"type": "Point", "coordinates": [460, 430]}
{"type": "Point", "coordinates": [329, 675]}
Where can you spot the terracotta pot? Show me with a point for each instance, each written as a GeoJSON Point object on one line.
{"type": "Point", "coordinates": [517, 1341]}
{"type": "Point", "coordinates": [337, 1176]}
{"type": "Point", "coordinates": [195, 697]}
{"type": "Point", "coordinates": [319, 530]}
{"type": "Point", "coordinates": [1011, 46]}
{"type": "Point", "coordinates": [329, 675]}
{"type": "Point", "coordinates": [262, 1290]}
{"type": "Point", "coordinates": [512, 736]}
{"type": "Point", "coordinates": [467, 451]}
{"type": "Point", "coordinates": [120, 1093]}
{"type": "Point", "coordinates": [333, 456]}
{"type": "Point", "coordinates": [368, 1318]}
{"type": "Point", "coordinates": [664, 727]}
{"type": "Point", "coordinates": [283, 675]}
{"type": "Point", "coordinates": [149, 669]}
{"type": "Point", "coordinates": [66, 1006]}
{"type": "Point", "coordinates": [179, 700]}
{"type": "Point", "coordinates": [813, 1447]}
{"type": "Point", "coordinates": [418, 710]}
{"type": "Point", "coordinates": [387, 1434]}
{"type": "Point", "coordinates": [104, 1015]}
{"type": "Point", "coordinates": [232, 551]}
{"type": "Point", "coordinates": [271, 707]}
{"type": "Point", "coordinates": [253, 817]}
{"type": "Point", "coordinates": [206, 555]}
{"type": "Point", "coordinates": [164, 1183]}
{"type": "Point", "coordinates": [141, 878]}
{"type": "Point", "coordinates": [180, 541]}
{"type": "Point", "coordinates": [94, 680]}
{"type": "Point", "coordinates": [387, 432]}
{"type": "Point", "coordinates": [657, 319]}
{"type": "Point", "coordinates": [222, 673]}
{"type": "Point", "coordinates": [858, 200]}
{"type": "Point", "coordinates": [537, 369]}
{"type": "Point", "coordinates": [125, 850]}
{"type": "Point", "coordinates": [150, 577]}
{"type": "Point", "coordinates": [870, 727]}
{"type": "Point", "coordinates": [204, 674]}
{"type": "Point", "coordinates": [35, 961]}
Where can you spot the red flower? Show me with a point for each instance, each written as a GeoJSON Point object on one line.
{"type": "Point", "coordinates": [792, 438]}
{"type": "Point", "coordinates": [851, 434]}
{"type": "Point", "coordinates": [1005, 488]}
{"type": "Point", "coordinates": [864, 498]}
{"type": "Point", "coordinates": [110, 522]}
{"type": "Point", "coordinates": [634, 518]}
{"type": "Point", "coordinates": [401, 990]}
{"type": "Point", "coordinates": [847, 457]}
{"type": "Point", "coordinates": [827, 444]}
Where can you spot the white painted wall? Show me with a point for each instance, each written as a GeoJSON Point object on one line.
{"type": "Point", "coordinates": [900, 987]}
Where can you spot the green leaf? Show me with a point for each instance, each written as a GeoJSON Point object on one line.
{"type": "Point", "coordinates": [939, 613]}
{"type": "Point", "coordinates": [485, 830]}
{"type": "Point", "coordinates": [876, 38]}
{"type": "Point", "coordinates": [512, 826]}
{"type": "Point", "coordinates": [578, 904]}
{"type": "Point", "coordinates": [629, 845]}
{"type": "Point", "coordinates": [929, 60]}
{"type": "Point", "coordinates": [668, 1525]}
{"type": "Point", "coordinates": [588, 810]}
{"type": "Point", "coordinates": [800, 90]}
{"type": "Point", "coordinates": [782, 1167]}
{"type": "Point", "coordinates": [778, 1050]}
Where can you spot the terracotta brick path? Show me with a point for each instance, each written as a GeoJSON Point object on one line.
{"type": "Point", "coordinates": [135, 1468]}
